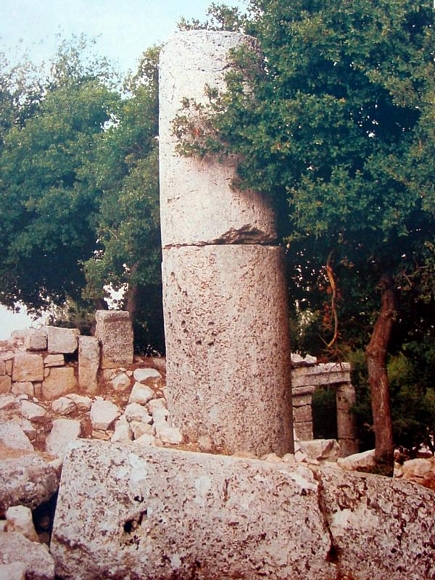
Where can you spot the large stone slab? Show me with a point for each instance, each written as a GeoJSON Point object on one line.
{"type": "Point", "coordinates": [115, 333]}
{"type": "Point", "coordinates": [60, 381]}
{"type": "Point", "coordinates": [62, 340]}
{"type": "Point", "coordinates": [381, 528]}
{"type": "Point", "coordinates": [147, 513]}
{"type": "Point", "coordinates": [198, 204]}
{"type": "Point", "coordinates": [227, 345]}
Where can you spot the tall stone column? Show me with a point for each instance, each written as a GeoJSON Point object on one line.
{"type": "Point", "coordinates": [224, 292]}
{"type": "Point", "coordinates": [346, 425]}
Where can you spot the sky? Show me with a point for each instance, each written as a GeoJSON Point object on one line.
{"type": "Point", "coordinates": [123, 30]}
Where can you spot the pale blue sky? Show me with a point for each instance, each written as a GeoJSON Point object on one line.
{"type": "Point", "coordinates": [124, 30]}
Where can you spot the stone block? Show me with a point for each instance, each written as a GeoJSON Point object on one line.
{"type": "Point", "coordinates": [62, 340]}
{"type": "Point", "coordinates": [25, 388]}
{"type": "Point", "coordinates": [36, 340]}
{"type": "Point", "coordinates": [12, 436]}
{"type": "Point", "coordinates": [89, 363]}
{"type": "Point", "coordinates": [115, 333]}
{"type": "Point", "coordinates": [54, 360]}
{"type": "Point", "coordinates": [321, 374]}
{"type": "Point", "coordinates": [159, 514]}
{"type": "Point", "coordinates": [227, 345]}
{"type": "Point", "coordinates": [27, 367]}
{"type": "Point", "coordinates": [2, 368]}
{"type": "Point", "coordinates": [60, 381]}
{"type": "Point", "coordinates": [103, 414]}
{"type": "Point", "coordinates": [5, 384]}
{"type": "Point", "coordinates": [63, 432]}
{"type": "Point", "coordinates": [302, 414]}
{"type": "Point", "coordinates": [304, 431]}
{"type": "Point", "coordinates": [197, 201]}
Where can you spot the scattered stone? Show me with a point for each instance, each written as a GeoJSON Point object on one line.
{"type": "Point", "coordinates": [321, 449]}
{"type": "Point", "coordinates": [139, 428]}
{"type": "Point", "coordinates": [364, 461]}
{"type": "Point", "coordinates": [142, 375]}
{"type": "Point", "coordinates": [103, 414]}
{"type": "Point", "coordinates": [14, 571]}
{"type": "Point", "coordinates": [421, 471]}
{"type": "Point", "coordinates": [121, 382]}
{"type": "Point", "coordinates": [16, 549]}
{"type": "Point", "coordinates": [146, 439]}
{"type": "Point", "coordinates": [141, 394]}
{"type": "Point", "coordinates": [122, 433]}
{"type": "Point", "coordinates": [12, 436]}
{"type": "Point", "coordinates": [19, 519]}
{"type": "Point", "coordinates": [32, 411]}
{"type": "Point", "coordinates": [136, 412]}
{"type": "Point", "coordinates": [170, 435]}
{"type": "Point", "coordinates": [205, 444]}
{"type": "Point", "coordinates": [82, 403]}
{"type": "Point", "coordinates": [63, 406]}
{"type": "Point", "coordinates": [7, 401]}
{"type": "Point", "coordinates": [62, 433]}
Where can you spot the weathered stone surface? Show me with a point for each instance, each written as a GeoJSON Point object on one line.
{"type": "Point", "coordinates": [89, 362]}
{"type": "Point", "coordinates": [359, 461]}
{"type": "Point", "coordinates": [27, 367]}
{"type": "Point", "coordinates": [62, 433]}
{"type": "Point", "coordinates": [158, 514]}
{"type": "Point", "coordinates": [60, 381]}
{"type": "Point", "coordinates": [19, 519]}
{"type": "Point", "coordinates": [121, 382]}
{"type": "Point", "coordinates": [145, 374]}
{"type": "Point", "coordinates": [7, 401]}
{"type": "Point", "coordinates": [346, 422]}
{"type": "Point", "coordinates": [115, 333]}
{"type": "Point", "coordinates": [103, 414]}
{"type": "Point", "coordinates": [5, 384]}
{"type": "Point", "coordinates": [25, 388]}
{"type": "Point", "coordinates": [141, 394]}
{"type": "Point", "coordinates": [62, 340]}
{"type": "Point", "coordinates": [83, 403]}
{"type": "Point", "coordinates": [228, 363]}
{"type": "Point", "coordinates": [63, 406]}
{"type": "Point", "coordinates": [321, 449]}
{"type": "Point", "coordinates": [15, 548]}
{"type": "Point", "coordinates": [25, 479]}
{"type": "Point", "coordinates": [381, 528]}
{"type": "Point", "coordinates": [54, 360]}
{"type": "Point", "coordinates": [12, 436]}
{"type": "Point", "coordinates": [36, 339]}
{"type": "Point", "coordinates": [32, 411]}
{"type": "Point", "coordinates": [321, 374]}
{"type": "Point", "coordinates": [198, 205]}
{"type": "Point", "coordinates": [421, 471]}
{"type": "Point", "coordinates": [14, 571]}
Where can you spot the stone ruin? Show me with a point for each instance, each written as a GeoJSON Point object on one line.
{"type": "Point", "coordinates": [128, 509]}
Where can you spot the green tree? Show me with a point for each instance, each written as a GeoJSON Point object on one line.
{"type": "Point", "coordinates": [128, 225]}
{"type": "Point", "coordinates": [49, 206]}
{"type": "Point", "coordinates": [336, 118]}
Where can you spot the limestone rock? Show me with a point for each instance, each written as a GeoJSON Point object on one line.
{"type": "Point", "coordinates": [103, 414]}
{"type": "Point", "coordinates": [21, 388]}
{"type": "Point", "coordinates": [115, 333]}
{"type": "Point", "coordinates": [32, 411]}
{"type": "Point", "coordinates": [7, 401]}
{"type": "Point", "coordinates": [54, 360]}
{"type": "Point", "coordinates": [421, 471]}
{"type": "Point", "coordinates": [36, 340]}
{"type": "Point", "coordinates": [158, 514]}
{"type": "Point", "coordinates": [381, 528]}
{"type": "Point", "coordinates": [62, 340]}
{"type": "Point", "coordinates": [120, 382]}
{"type": "Point", "coordinates": [5, 384]}
{"type": "Point", "coordinates": [83, 403]}
{"type": "Point", "coordinates": [25, 479]}
{"type": "Point", "coordinates": [62, 433]}
{"type": "Point", "coordinates": [136, 412]}
{"type": "Point", "coordinates": [321, 449]}
{"type": "Point", "coordinates": [63, 406]}
{"type": "Point", "coordinates": [359, 461]}
{"type": "Point", "coordinates": [27, 367]}
{"type": "Point", "coordinates": [19, 519]}
{"type": "Point", "coordinates": [14, 571]}
{"type": "Point", "coordinates": [89, 362]}
{"type": "Point", "coordinates": [12, 436]}
{"type": "Point", "coordinates": [60, 381]}
{"type": "Point", "coordinates": [16, 549]}
{"type": "Point", "coordinates": [145, 374]}
{"type": "Point", "coordinates": [141, 394]}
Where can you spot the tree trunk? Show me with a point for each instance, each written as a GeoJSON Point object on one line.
{"type": "Point", "coordinates": [131, 303]}
{"type": "Point", "coordinates": [377, 368]}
